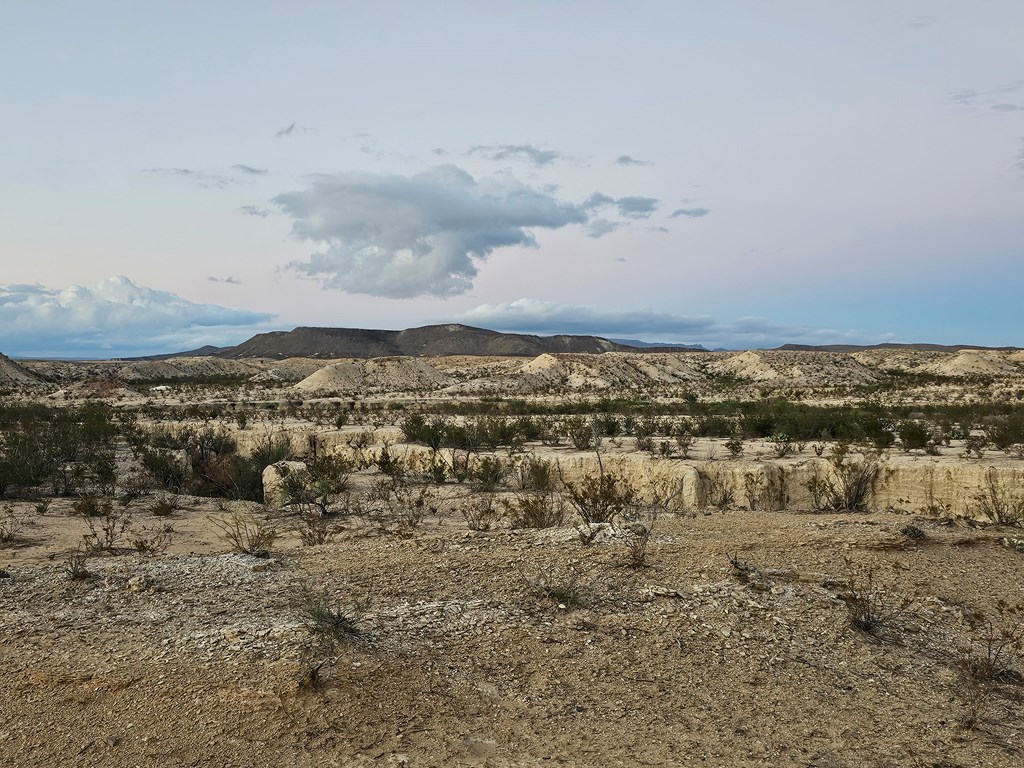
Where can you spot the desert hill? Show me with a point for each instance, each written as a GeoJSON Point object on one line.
{"type": "Point", "coordinates": [13, 375]}
{"type": "Point", "coordinates": [427, 341]}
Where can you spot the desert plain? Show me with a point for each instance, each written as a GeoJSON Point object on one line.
{"type": "Point", "coordinates": [761, 558]}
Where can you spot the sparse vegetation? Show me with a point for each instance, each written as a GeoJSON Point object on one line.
{"type": "Point", "coordinates": [247, 533]}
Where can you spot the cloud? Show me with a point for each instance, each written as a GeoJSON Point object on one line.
{"type": "Point", "coordinates": [922, 22]}
{"type": "Point", "coordinates": [249, 169]}
{"type": "Point", "coordinates": [1020, 156]}
{"type": "Point", "coordinates": [690, 213]}
{"type": "Point", "coordinates": [527, 152]}
{"type": "Point", "coordinates": [114, 318]}
{"type": "Point", "coordinates": [597, 200]}
{"type": "Point", "coordinates": [545, 317]}
{"type": "Point", "coordinates": [627, 160]}
{"type": "Point", "coordinates": [992, 98]}
{"type": "Point", "coordinates": [658, 229]}
{"type": "Point", "coordinates": [425, 234]}
{"type": "Point", "coordinates": [601, 227]}
{"type": "Point", "coordinates": [229, 280]}
{"type": "Point", "coordinates": [635, 207]}
{"type": "Point", "coordinates": [965, 96]}
{"type": "Point", "coordinates": [632, 207]}
{"type": "Point", "coordinates": [203, 179]}
{"type": "Point", "coordinates": [252, 210]}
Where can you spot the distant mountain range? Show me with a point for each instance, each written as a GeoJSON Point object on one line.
{"type": "Point", "coordinates": [917, 347]}
{"type": "Point", "coordinates": [427, 341]}
{"type": "Point", "coordinates": [456, 339]}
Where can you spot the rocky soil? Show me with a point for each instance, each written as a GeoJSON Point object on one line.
{"type": "Point", "coordinates": [514, 647]}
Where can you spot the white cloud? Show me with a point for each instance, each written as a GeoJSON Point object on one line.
{"type": "Point", "coordinates": [426, 234]}
{"type": "Point", "coordinates": [546, 317]}
{"type": "Point", "coordinates": [114, 318]}
{"type": "Point", "coordinates": [201, 178]}
{"type": "Point", "coordinates": [252, 210]}
{"type": "Point", "coordinates": [629, 160]}
{"type": "Point", "coordinates": [526, 152]}
{"type": "Point", "coordinates": [690, 213]}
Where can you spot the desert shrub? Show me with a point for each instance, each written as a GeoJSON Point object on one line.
{"type": "Point", "coordinates": [167, 469]}
{"type": "Point", "coordinates": [996, 643]}
{"type": "Point", "coordinates": [134, 485]}
{"type": "Point", "coordinates": [997, 504]}
{"type": "Point", "coordinates": [270, 449]}
{"type": "Point", "coordinates": [105, 531]}
{"type": "Point", "coordinates": [417, 429]}
{"type": "Point", "coordinates": [489, 472]}
{"type": "Point", "coordinates": [533, 474]}
{"type": "Point", "coordinates": [76, 566]}
{"type": "Point", "coordinates": [10, 526]}
{"type": "Point", "coordinates": [600, 498]}
{"type": "Point", "coordinates": [871, 608]}
{"type": "Point", "coordinates": [852, 484]}
{"type": "Point", "coordinates": [395, 502]}
{"type": "Point", "coordinates": [313, 528]}
{"type": "Point", "coordinates": [24, 461]}
{"type": "Point", "coordinates": [389, 464]}
{"type": "Point", "coordinates": [608, 425]}
{"type": "Point", "coordinates": [684, 443]}
{"type": "Point", "coordinates": [713, 425]}
{"type": "Point", "coordinates": [637, 534]}
{"type": "Point", "coordinates": [562, 585]}
{"type": "Point", "coordinates": [581, 433]}
{"type": "Point", "coordinates": [988, 660]}
{"type": "Point", "coordinates": [328, 626]}
{"type": "Point", "coordinates": [481, 513]}
{"type": "Point", "coordinates": [164, 506]}
{"type": "Point", "coordinates": [539, 509]}
{"type": "Point", "coordinates": [151, 542]}
{"type": "Point", "coordinates": [316, 489]}
{"type": "Point", "coordinates": [975, 445]}
{"type": "Point", "coordinates": [715, 489]}
{"type": "Point", "coordinates": [247, 533]}
{"type": "Point", "coordinates": [735, 447]}
{"type": "Point", "coordinates": [782, 445]}
{"type": "Point", "coordinates": [92, 505]}
{"type": "Point", "coordinates": [913, 435]}
{"type": "Point", "coordinates": [764, 492]}
{"type": "Point", "coordinates": [645, 443]}
{"type": "Point", "coordinates": [1006, 430]}
{"type": "Point", "coordinates": [323, 618]}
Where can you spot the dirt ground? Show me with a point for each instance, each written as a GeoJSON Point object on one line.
{"type": "Point", "coordinates": [736, 644]}
{"type": "Point", "coordinates": [194, 656]}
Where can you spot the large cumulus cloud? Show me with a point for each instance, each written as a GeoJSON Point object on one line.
{"type": "Point", "coordinates": [426, 234]}
{"type": "Point", "coordinates": [114, 318]}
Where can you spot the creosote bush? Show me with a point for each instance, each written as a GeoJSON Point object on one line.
{"type": "Point", "coordinates": [537, 509]}
{"type": "Point", "coordinates": [996, 502]}
{"type": "Point", "coordinates": [247, 533]}
{"type": "Point", "coordinates": [871, 608]}
{"type": "Point", "coordinates": [852, 485]}
{"type": "Point", "coordinates": [600, 498]}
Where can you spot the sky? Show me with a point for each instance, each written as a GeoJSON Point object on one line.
{"type": "Point", "coordinates": [733, 174]}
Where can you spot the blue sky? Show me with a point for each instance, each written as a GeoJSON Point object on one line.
{"type": "Point", "coordinates": [737, 174]}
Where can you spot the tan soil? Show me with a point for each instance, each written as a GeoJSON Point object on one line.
{"type": "Point", "coordinates": [194, 656]}
{"type": "Point", "coordinates": [191, 657]}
